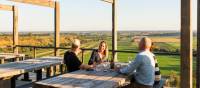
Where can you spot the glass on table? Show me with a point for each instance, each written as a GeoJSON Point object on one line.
{"type": "Point", "coordinates": [118, 66]}
{"type": "Point", "coordinates": [129, 59]}
{"type": "Point", "coordinates": [98, 68]}
{"type": "Point", "coordinates": [102, 67]}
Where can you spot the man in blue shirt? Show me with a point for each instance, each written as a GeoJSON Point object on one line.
{"type": "Point", "coordinates": [143, 67]}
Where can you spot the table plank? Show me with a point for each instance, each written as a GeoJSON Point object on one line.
{"type": "Point", "coordinates": [20, 67]}
{"type": "Point", "coordinates": [103, 79]}
{"type": "Point", "coordinates": [60, 80]}
{"type": "Point", "coordinates": [113, 82]}
{"type": "Point", "coordinates": [83, 79]}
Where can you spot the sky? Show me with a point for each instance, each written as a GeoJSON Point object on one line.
{"type": "Point", "coordinates": [96, 15]}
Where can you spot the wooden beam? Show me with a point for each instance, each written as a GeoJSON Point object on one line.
{"type": "Point", "coordinates": [108, 1]}
{"type": "Point", "coordinates": [6, 7]}
{"type": "Point", "coordinates": [57, 28]}
{"type": "Point", "coordinates": [198, 46]}
{"type": "Point", "coordinates": [15, 29]}
{"type": "Point", "coordinates": [114, 32]}
{"type": "Point", "coordinates": [186, 44]}
{"type": "Point", "coordinates": [47, 3]}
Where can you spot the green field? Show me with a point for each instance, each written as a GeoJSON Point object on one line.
{"type": "Point", "coordinates": [167, 63]}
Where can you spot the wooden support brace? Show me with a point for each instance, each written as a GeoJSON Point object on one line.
{"type": "Point", "coordinates": [13, 81]}
{"type": "Point", "coordinates": [2, 61]}
{"type": "Point", "coordinates": [17, 59]}
{"type": "Point", "coordinates": [50, 72]}
{"type": "Point", "coordinates": [39, 74]}
{"type": "Point", "coordinates": [26, 77]}
{"type": "Point", "coordinates": [62, 69]}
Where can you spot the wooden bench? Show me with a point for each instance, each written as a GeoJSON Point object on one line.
{"type": "Point", "coordinates": [10, 71]}
{"type": "Point", "coordinates": [6, 56]}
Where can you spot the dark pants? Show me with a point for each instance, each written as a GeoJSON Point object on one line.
{"type": "Point", "coordinates": [134, 84]}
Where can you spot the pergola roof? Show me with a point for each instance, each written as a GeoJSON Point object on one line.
{"type": "Point", "coordinates": [47, 3]}
{"type": "Point", "coordinates": [6, 7]}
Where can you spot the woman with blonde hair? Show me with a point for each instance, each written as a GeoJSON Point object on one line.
{"type": "Point", "coordinates": [100, 55]}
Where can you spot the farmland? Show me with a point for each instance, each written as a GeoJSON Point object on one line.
{"type": "Point", "coordinates": [167, 42]}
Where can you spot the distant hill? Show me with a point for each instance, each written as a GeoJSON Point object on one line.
{"type": "Point", "coordinates": [130, 33]}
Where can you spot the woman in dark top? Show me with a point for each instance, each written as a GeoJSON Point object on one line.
{"type": "Point", "coordinates": [100, 55]}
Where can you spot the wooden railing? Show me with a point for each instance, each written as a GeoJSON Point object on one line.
{"type": "Point", "coordinates": [85, 49]}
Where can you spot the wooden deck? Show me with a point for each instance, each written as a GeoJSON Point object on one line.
{"type": "Point", "coordinates": [84, 79]}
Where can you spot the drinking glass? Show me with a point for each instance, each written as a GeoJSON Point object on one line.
{"type": "Point", "coordinates": [129, 59]}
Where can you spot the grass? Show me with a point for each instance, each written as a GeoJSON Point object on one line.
{"type": "Point", "coordinates": [167, 63]}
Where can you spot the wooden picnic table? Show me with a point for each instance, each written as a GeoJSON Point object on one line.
{"type": "Point", "coordinates": [14, 69]}
{"type": "Point", "coordinates": [84, 79]}
{"type": "Point", "coordinates": [17, 57]}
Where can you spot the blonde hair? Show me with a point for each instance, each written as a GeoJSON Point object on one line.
{"type": "Point", "coordinates": [75, 43]}
{"type": "Point", "coordinates": [106, 49]}
{"type": "Point", "coordinates": [146, 42]}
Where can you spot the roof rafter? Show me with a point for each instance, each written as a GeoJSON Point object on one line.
{"type": "Point", "coordinates": [108, 1]}
{"type": "Point", "coordinates": [46, 3]}
{"type": "Point", "coordinates": [6, 7]}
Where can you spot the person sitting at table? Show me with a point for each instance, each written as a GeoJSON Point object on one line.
{"type": "Point", "coordinates": [143, 67]}
{"type": "Point", "coordinates": [71, 59]}
{"type": "Point", "coordinates": [100, 55]}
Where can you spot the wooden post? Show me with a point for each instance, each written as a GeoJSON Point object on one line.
{"type": "Point", "coordinates": [2, 61]}
{"type": "Point", "coordinates": [13, 81]}
{"type": "Point", "coordinates": [17, 59]}
{"type": "Point", "coordinates": [198, 46]}
{"type": "Point", "coordinates": [57, 28]}
{"type": "Point", "coordinates": [82, 56]}
{"type": "Point", "coordinates": [50, 72]}
{"type": "Point", "coordinates": [26, 77]}
{"type": "Point", "coordinates": [39, 74]}
{"type": "Point", "coordinates": [114, 32]}
{"type": "Point", "coordinates": [61, 68]}
{"type": "Point", "coordinates": [15, 29]}
{"type": "Point", "coordinates": [34, 52]}
{"type": "Point", "coordinates": [186, 44]}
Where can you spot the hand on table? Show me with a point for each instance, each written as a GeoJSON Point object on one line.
{"type": "Point", "coordinates": [117, 69]}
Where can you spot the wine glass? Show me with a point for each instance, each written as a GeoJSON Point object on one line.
{"type": "Point", "coordinates": [129, 59]}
